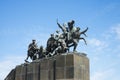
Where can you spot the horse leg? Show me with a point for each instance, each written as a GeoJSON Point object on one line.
{"type": "Point", "coordinates": [83, 40]}
{"type": "Point", "coordinates": [75, 45]}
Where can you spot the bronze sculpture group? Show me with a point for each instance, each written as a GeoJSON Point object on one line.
{"type": "Point", "coordinates": [58, 43]}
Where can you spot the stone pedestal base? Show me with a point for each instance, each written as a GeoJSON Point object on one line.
{"type": "Point", "coordinates": [73, 66]}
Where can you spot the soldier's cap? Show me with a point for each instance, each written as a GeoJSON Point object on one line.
{"type": "Point", "coordinates": [69, 23]}
{"type": "Point", "coordinates": [52, 35]}
{"type": "Point", "coordinates": [33, 40]}
{"type": "Point", "coordinates": [72, 22]}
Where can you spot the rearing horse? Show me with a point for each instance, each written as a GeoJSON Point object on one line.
{"type": "Point", "coordinates": [75, 37]}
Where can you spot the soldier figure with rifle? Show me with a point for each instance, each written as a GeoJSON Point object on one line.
{"type": "Point", "coordinates": [32, 50]}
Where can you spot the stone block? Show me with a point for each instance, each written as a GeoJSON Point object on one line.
{"type": "Point", "coordinates": [60, 61]}
{"type": "Point", "coordinates": [30, 72]}
{"type": "Point", "coordinates": [36, 70]}
{"type": "Point", "coordinates": [47, 69]}
{"type": "Point", "coordinates": [23, 72]}
{"type": "Point", "coordinates": [60, 72]}
{"type": "Point", "coordinates": [44, 75]}
{"type": "Point", "coordinates": [18, 73]}
{"type": "Point", "coordinates": [69, 73]}
{"type": "Point", "coordinates": [81, 67]}
{"type": "Point", "coordinates": [11, 75]}
{"type": "Point", "coordinates": [69, 60]}
{"type": "Point", "coordinates": [44, 64]}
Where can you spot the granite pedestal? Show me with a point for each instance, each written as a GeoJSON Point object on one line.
{"type": "Point", "coordinates": [70, 66]}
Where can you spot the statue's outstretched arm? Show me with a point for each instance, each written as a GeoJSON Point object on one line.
{"type": "Point", "coordinates": [61, 27]}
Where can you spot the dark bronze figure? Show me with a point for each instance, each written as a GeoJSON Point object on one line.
{"type": "Point", "coordinates": [58, 43]}
{"type": "Point", "coordinates": [32, 49]}
{"type": "Point", "coordinates": [52, 44]}
{"type": "Point", "coordinates": [41, 52]}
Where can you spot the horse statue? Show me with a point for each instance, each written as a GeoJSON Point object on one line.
{"type": "Point", "coordinates": [75, 37]}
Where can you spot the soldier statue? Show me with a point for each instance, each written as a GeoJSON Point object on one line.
{"type": "Point", "coordinates": [52, 44]}
{"type": "Point", "coordinates": [32, 50]}
{"type": "Point", "coordinates": [41, 53]}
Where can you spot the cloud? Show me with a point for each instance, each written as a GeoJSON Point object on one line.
{"type": "Point", "coordinates": [103, 75]}
{"type": "Point", "coordinates": [116, 30]}
{"type": "Point", "coordinates": [108, 39]}
{"type": "Point", "coordinates": [97, 44]}
{"type": "Point", "coordinates": [112, 37]}
{"type": "Point", "coordinates": [9, 63]}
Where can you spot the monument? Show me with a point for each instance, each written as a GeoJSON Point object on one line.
{"type": "Point", "coordinates": [56, 61]}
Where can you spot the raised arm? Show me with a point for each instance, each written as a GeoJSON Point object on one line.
{"type": "Point", "coordinates": [61, 27]}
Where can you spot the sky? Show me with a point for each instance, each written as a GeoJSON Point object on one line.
{"type": "Point", "coordinates": [24, 20]}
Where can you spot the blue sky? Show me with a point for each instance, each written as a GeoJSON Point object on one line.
{"type": "Point", "coordinates": [24, 20]}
